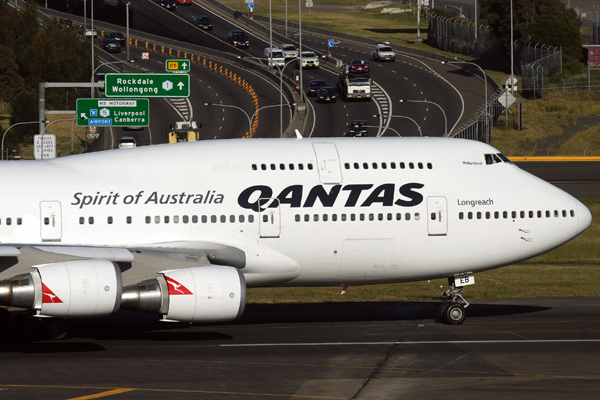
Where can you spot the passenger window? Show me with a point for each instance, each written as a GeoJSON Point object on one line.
{"type": "Point", "coordinates": [273, 168]}
{"type": "Point", "coordinates": [384, 165]}
{"type": "Point", "coordinates": [352, 217]}
{"type": "Point", "coordinates": [407, 216]}
{"type": "Point", "coordinates": [347, 165]}
{"type": "Point", "coordinates": [470, 215]}
{"type": "Point", "coordinates": [572, 214]}
{"type": "Point", "coordinates": [251, 218]}
{"type": "Point", "coordinates": [282, 166]}
{"type": "Point", "coordinates": [505, 214]}
{"type": "Point", "coordinates": [213, 219]}
{"type": "Point", "coordinates": [547, 213]}
{"type": "Point", "coordinates": [429, 165]}
{"type": "Point", "coordinates": [461, 215]}
{"type": "Point", "coordinates": [539, 214]}
{"type": "Point", "coordinates": [185, 219]}
{"type": "Point", "coordinates": [263, 167]}
{"type": "Point", "coordinates": [301, 166]}
{"type": "Point", "coordinates": [343, 217]}
{"type": "Point", "coordinates": [487, 215]}
{"type": "Point", "coordinates": [555, 213]}
{"type": "Point", "coordinates": [291, 166]}
{"type": "Point", "coordinates": [194, 219]}
{"type": "Point", "coordinates": [242, 219]}
{"type": "Point", "coordinates": [433, 216]}
{"type": "Point", "coordinates": [306, 217]}
{"type": "Point", "coordinates": [309, 166]}
{"type": "Point", "coordinates": [20, 220]}
{"type": "Point", "coordinates": [530, 214]}
{"type": "Point", "coordinates": [417, 216]}
{"type": "Point", "coordinates": [365, 165]}
{"type": "Point", "coordinates": [393, 165]}
{"type": "Point", "coordinates": [166, 219]}
{"type": "Point", "coordinates": [390, 217]}
{"type": "Point", "coordinates": [420, 165]}
{"type": "Point", "coordinates": [325, 217]}
{"type": "Point", "coordinates": [8, 221]}
{"type": "Point", "coordinates": [128, 220]}
{"type": "Point", "coordinates": [398, 216]}
{"type": "Point", "coordinates": [297, 217]}
{"type": "Point", "coordinates": [109, 220]}
{"type": "Point", "coordinates": [47, 221]}
{"type": "Point", "coordinates": [522, 214]}
{"type": "Point", "coordinates": [316, 217]}
{"type": "Point", "coordinates": [371, 217]}
{"type": "Point", "coordinates": [91, 220]}
{"type": "Point", "coordinates": [374, 165]}
{"type": "Point", "coordinates": [513, 214]}
{"type": "Point", "coordinates": [402, 165]}
{"type": "Point", "coordinates": [496, 214]}
{"type": "Point", "coordinates": [176, 219]}
{"type": "Point", "coordinates": [362, 217]}
{"type": "Point", "coordinates": [411, 165]}
{"type": "Point", "coordinates": [232, 219]}
{"type": "Point", "coordinates": [564, 213]}
{"type": "Point", "coordinates": [254, 167]}
{"type": "Point", "coordinates": [478, 214]}
{"type": "Point", "coordinates": [334, 217]}
{"type": "Point", "coordinates": [265, 218]}
{"type": "Point", "coordinates": [81, 221]}
{"type": "Point", "coordinates": [204, 219]}
{"type": "Point", "coordinates": [223, 219]}
{"type": "Point", "coordinates": [356, 166]}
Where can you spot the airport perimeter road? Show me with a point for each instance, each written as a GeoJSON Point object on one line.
{"type": "Point", "coordinates": [579, 178]}
{"type": "Point", "coordinates": [507, 349]}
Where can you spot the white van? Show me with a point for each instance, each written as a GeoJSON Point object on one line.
{"type": "Point", "coordinates": [278, 59]}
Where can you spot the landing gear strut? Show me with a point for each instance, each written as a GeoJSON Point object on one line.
{"type": "Point", "coordinates": [452, 312]}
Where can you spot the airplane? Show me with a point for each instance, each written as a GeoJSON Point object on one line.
{"type": "Point", "coordinates": [181, 230]}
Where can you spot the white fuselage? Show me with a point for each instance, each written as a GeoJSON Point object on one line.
{"type": "Point", "coordinates": [302, 211]}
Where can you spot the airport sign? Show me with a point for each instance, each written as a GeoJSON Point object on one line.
{"type": "Point", "coordinates": [177, 65]}
{"type": "Point", "coordinates": [147, 85]}
{"type": "Point", "coordinates": [113, 112]}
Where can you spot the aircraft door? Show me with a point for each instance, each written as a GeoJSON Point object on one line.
{"type": "Point", "coordinates": [269, 218]}
{"type": "Point", "coordinates": [51, 221]}
{"type": "Point", "coordinates": [328, 162]}
{"type": "Point", "coordinates": [437, 218]}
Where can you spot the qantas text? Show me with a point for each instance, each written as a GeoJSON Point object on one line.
{"type": "Point", "coordinates": [362, 195]}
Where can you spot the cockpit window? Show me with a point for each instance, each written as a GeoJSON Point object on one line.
{"type": "Point", "coordinates": [496, 159]}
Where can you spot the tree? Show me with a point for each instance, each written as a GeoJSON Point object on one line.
{"type": "Point", "coordinates": [10, 81]}
{"type": "Point", "coordinates": [531, 22]}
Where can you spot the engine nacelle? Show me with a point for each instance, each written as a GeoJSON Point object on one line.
{"type": "Point", "coordinates": [78, 288]}
{"type": "Point", "coordinates": [197, 294]}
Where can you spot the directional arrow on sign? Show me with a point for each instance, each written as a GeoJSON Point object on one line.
{"type": "Point", "coordinates": [181, 85]}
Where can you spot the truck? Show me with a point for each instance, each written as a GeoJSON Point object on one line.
{"type": "Point", "coordinates": [184, 131]}
{"type": "Point", "coordinates": [354, 85]}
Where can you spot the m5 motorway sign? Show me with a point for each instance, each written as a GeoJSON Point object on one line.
{"type": "Point", "coordinates": [113, 112]}
{"type": "Point", "coordinates": [147, 85]}
{"type": "Point", "coordinates": [177, 65]}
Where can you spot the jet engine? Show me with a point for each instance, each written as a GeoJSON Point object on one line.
{"type": "Point", "coordinates": [197, 294]}
{"type": "Point", "coordinates": [79, 288]}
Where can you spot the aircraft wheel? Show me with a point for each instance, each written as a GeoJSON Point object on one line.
{"type": "Point", "coordinates": [454, 314]}
{"type": "Point", "coordinates": [55, 329]}
{"type": "Point", "coordinates": [442, 310]}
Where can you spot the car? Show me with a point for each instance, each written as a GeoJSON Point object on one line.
{"type": "Point", "coordinates": [308, 60]}
{"type": "Point", "coordinates": [168, 4]}
{"type": "Point", "coordinates": [202, 21]}
{"type": "Point", "coordinates": [358, 67]}
{"type": "Point", "coordinates": [383, 52]}
{"type": "Point", "coordinates": [118, 36]}
{"type": "Point", "coordinates": [184, 2]}
{"type": "Point", "coordinates": [67, 22]}
{"type": "Point", "coordinates": [314, 86]}
{"type": "Point", "coordinates": [238, 39]}
{"type": "Point", "coordinates": [326, 95]}
{"type": "Point", "coordinates": [88, 31]}
{"type": "Point", "coordinates": [358, 128]}
{"type": "Point", "coordinates": [274, 57]}
{"type": "Point", "coordinates": [127, 142]}
{"type": "Point", "coordinates": [111, 45]}
{"type": "Point", "coordinates": [289, 51]}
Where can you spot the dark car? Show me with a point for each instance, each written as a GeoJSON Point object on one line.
{"type": "Point", "coordinates": [202, 21]}
{"type": "Point", "coordinates": [168, 4]}
{"type": "Point", "coordinates": [314, 86]}
{"type": "Point", "coordinates": [238, 39]}
{"type": "Point", "coordinates": [118, 36]}
{"type": "Point", "coordinates": [326, 95]}
{"type": "Point", "coordinates": [358, 128]}
{"type": "Point", "coordinates": [111, 45]}
{"type": "Point", "coordinates": [358, 67]}
{"type": "Point", "coordinates": [67, 22]}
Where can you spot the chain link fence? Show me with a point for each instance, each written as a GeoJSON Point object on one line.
{"type": "Point", "coordinates": [596, 26]}
{"type": "Point", "coordinates": [537, 62]}
{"type": "Point", "coordinates": [458, 36]}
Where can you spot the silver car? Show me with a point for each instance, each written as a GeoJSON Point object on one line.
{"type": "Point", "coordinates": [309, 60]}
{"type": "Point", "coordinates": [383, 52]}
{"type": "Point", "coordinates": [289, 51]}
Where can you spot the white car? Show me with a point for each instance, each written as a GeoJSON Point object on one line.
{"type": "Point", "coordinates": [383, 52]}
{"type": "Point", "coordinates": [289, 51]}
{"type": "Point", "coordinates": [127, 142]}
{"type": "Point", "coordinates": [309, 60]}
{"type": "Point", "coordinates": [274, 57]}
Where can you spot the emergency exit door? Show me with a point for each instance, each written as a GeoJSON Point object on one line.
{"type": "Point", "coordinates": [51, 221]}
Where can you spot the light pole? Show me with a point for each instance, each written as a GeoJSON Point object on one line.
{"type": "Point", "coordinates": [127, 33]}
{"type": "Point", "coordinates": [280, 88]}
{"type": "Point", "coordinates": [435, 104]}
{"type": "Point", "coordinates": [6, 131]}
{"type": "Point", "coordinates": [487, 138]}
{"type": "Point", "coordinates": [400, 116]}
{"type": "Point", "coordinates": [250, 118]}
{"type": "Point", "coordinates": [106, 63]}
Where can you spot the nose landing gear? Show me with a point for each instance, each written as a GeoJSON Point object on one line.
{"type": "Point", "coordinates": [452, 311]}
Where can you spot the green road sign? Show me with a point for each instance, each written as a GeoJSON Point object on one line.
{"type": "Point", "coordinates": [147, 85]}
{"type": "Point", "coordinates": [113, 112]}
{"type": "Point", "coordinates": [177, 65]}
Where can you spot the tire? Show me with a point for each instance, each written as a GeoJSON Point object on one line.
{"type": "Point", "coordinates": [442, 310]}
{"type": "Point", "coordinates": [454, 314]}
{"type": "Point", "coordinates": [55, 329]}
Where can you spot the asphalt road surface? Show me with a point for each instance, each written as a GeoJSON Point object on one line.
{"type": "Point", "coordinates": [507, 349]}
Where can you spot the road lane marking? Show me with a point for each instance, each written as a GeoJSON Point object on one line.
{"type": "Point", "coordinates": [103, 394]}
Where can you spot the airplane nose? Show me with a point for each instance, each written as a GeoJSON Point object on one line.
{"type": "Point", "coordinates": [584, 217]}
